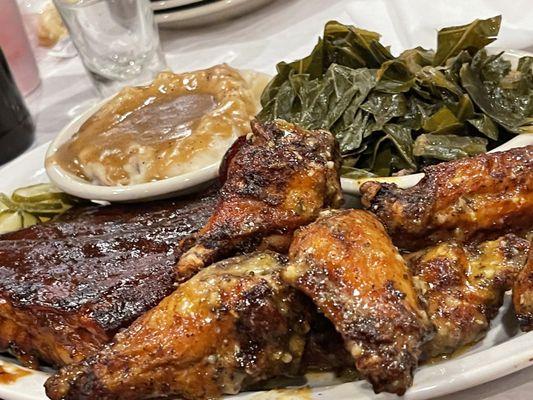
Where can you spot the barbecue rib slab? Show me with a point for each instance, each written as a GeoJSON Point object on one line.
{"type": "Point", "coordinates": [459, 199]}
{"type": "Point", "coordinates": [347, 265]}
{"type": "Point", "coordinates": [66, 287]}
{"type": "Point", "coordinates": [277, 179]}
{"type": "Point", "coordinates": [231, 325]}
{"type": "Point", "coordinates": [463, 287]}
{"type": "Point", "coordinates": [523, 294]}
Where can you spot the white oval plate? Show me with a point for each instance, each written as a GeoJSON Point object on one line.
{"type": "Point", "coordinates": [206, 14]}
{"type": "Point", "coordinates": [503, 351]}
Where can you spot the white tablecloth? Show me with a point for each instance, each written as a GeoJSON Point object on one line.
{"type": "Point", "coordinates": [284, 30]}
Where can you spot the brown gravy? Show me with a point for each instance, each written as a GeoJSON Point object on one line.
{"type": "Point", "coordinates": [11, 377]}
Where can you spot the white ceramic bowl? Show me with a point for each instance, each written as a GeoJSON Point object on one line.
{"type": "Point", "coordinates": [76, 186]}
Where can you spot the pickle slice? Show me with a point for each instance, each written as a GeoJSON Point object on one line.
{"type": "Point", "coordinates": [28, 219]}
{"type": "Point", "coordinates": [10, 221]}
{"type": "Point", "coordinates": [31, 205]}
{"type": "Point", "coordinates": [38, 193]}
{"type": "Point", "coordinates": [6, 203]}
{"type": "Point", "coordinates": [48, 212]}
{"type": "Point", "coordinates": [49, 205]}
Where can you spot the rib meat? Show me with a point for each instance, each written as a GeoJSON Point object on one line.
{"type": "Point", "coordinates": [66, 287]}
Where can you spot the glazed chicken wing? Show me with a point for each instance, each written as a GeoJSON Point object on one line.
{"type": "Point", "coordinates": [347, 265]}
{"type": "Point", "coordinates": [233, 324]}
{"type": "Point", "coordinates": [458, 199]}
{"type": "Point", "coordinates": [523, 294]}
{"type": "Point", "coordinates": [279, 178]}
{"type": "Point", "coordinates": [463, 287]}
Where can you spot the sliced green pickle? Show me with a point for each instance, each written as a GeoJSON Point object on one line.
{"type": "Point", "coordinates": [6, 203]}
{"type": "Point", "coordinates": [28, 219]}
{"type": "Point", "coordinates": [37, 193]}
{"type": "Point", "coordinates": [44, 212]}
{"type": "Point", "coordinates": [49, 205]}
{"type": "Point", "coordinates": [32, 205]}
{"type": "Point", "coordinates": [10, 221]}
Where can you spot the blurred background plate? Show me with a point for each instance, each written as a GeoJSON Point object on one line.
{"type": "Point", "coordinates": [165, 4]}
{"type": "Point", "coordinates": [200, 14]}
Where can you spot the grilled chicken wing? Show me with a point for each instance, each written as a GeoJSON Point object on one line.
{"type": "Point", "coordinates": [457, 199]}
{"type": "Point", "coordinates": [233, 324]}
{"type": "Point", "coordinates": [279, 179]}
{"type": "Point", "coordinates": [523, 294]}
{"type": "Point", "coordinates": [348, 266]}
{"type": "Point", "coordinates": [463, 287]}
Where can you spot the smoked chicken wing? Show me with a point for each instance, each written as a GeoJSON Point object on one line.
{"type": "Point", "coordinates": [458, 199]}
{"type": "Point", "coordinates": [279, 178]}
{"type": "Point", "coordinates": [232, 325]}
{"type": "Point", "coordinates": [523, 294]}
{"type": "Point", "coordinates": [463, 287]}
{"type": "Point", "coordinates": [347, 265]}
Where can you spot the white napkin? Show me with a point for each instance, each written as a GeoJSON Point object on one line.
{"type": "Point", "coordinates": [409, 23]}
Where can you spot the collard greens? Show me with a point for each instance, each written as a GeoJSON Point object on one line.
{"type": "Point", "coordinates": [395, 114]}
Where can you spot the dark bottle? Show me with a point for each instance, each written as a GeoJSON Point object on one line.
{"type": "Point", "coordinates": [16, 125]}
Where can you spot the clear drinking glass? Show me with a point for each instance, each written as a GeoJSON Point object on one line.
{"type": "Point", "coordinates": [117, 41]}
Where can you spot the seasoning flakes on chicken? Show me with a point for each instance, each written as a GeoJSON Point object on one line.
{"type": "Point", "coordinates": [463, 287]}
{"type": "Point", "coordinates": [347, 265]}
{"type": "Point", "coordinates": [523, 294]}
{"type": "Point", "coordinates": [277, 179]}
{"type": "Point", "coordinates": [458, 199]}
{"type": "Point", "coordinates": [232, 325]}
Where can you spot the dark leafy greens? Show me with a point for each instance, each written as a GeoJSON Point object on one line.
{"type": "Point", "coordinates": [392, 115]}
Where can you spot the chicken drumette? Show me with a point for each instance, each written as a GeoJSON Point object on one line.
{"type": "Point", "coordinates": [347, 265]}
{"type": "Point", "coordinates": [463, 287]}
{"type": "Point", "coordinates": [233, 324]}
{"type": "Point", "coordinates": [277, 179]}
{"type": "Point", "coordinates": [459, 199]}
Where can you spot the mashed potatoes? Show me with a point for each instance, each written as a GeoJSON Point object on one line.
{"type": "Point", "coordinates": [178, 124]}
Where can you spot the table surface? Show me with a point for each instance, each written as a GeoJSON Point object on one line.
{"type": "Point", "coordinates": [283, 30]}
